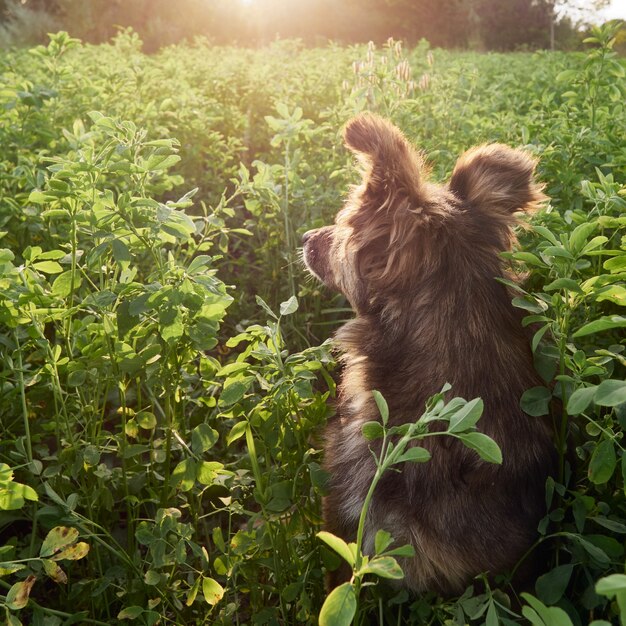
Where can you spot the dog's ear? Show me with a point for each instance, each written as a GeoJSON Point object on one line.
{"type": "Point", "coordinates": [497, 180]}
{"type": "Point", "coordinates": [393, 166]}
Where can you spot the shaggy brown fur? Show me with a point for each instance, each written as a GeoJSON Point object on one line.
{"type": "Point", "coordinates": [418, 262]}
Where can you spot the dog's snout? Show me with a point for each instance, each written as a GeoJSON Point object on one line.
{"type": "Point", "coordinates": [307, 236]}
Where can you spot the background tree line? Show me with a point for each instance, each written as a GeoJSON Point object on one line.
{"type": "Point", "coordinates": [481, 24]}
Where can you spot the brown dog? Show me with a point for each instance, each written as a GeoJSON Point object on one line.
{"type": "Point", "coordinates": [418, 263]}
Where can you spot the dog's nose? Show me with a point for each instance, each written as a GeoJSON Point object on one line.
{"type": "Point", "coordinates": [307, 236]}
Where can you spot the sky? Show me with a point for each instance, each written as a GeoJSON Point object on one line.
{"type": "Point", "coordinates": [616, 9]}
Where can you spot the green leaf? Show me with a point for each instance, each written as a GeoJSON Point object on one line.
{"type": "Point", "coordinates": [536, 401]}
{"type": "Point", "coordinates": [613, 293]}
{"type": "Point", "coordinates": [551, 586]}
{"type": "Point", "coordinates": [265, 307]}
{"type": "Point", "coordinates": [467, 416]}
{"type": "Point", "coordinates": [604, 323]}
{"type": "Point", "coordinates": [492, 615]}
{"type": "Point", "coordinates": [158, 162]}
{"type": "Point", "coordinates": [529, 258]}
{"type": "Point", "coordinates": [62, 285]}
{"type": "Point", "coordinates": [130, 612]}
{"type": "Point", "coordinates": [610, 585]}
{"type": "Point", "coordinates": [48, 267]}
{"type": "Point", "coordinates": [72, 553]}
{"type": "Point", "coordinates": [57, 539]}
{"type": "Point", "coordinates": [545, 233]}
{"type": "Point", "coordinates": [580, 400]}
{"type": "Point", "coordinates": [382, 541]}
{"type": "Point", "coordinates": [236, 432]}
{"type": "Point", "coordinates": [563, 283]}
{"type": "Point", "coordinates": [54, 570]}
{"type": "Point", "coordinates": [415, 454]}
{"type": "Point", "coordinates": [548, 616]}
{"type": "Point", "coordinates": [339, 607]}
{"type": "Point", "coordinates": [184, 475]}
{"type": "Point", "coordinates": [203, 438]}
{"type": "Point", "coordinates": [289, 307]}
{"type": "Point", "coordinates": [372, 430]}
{"type": "Point", "coordinates": [579, 236]}
{"type": "Point", "coordinates": [338, 545]}
{"type": "Point", "coordinates": [208, 471]}
{"type": "Point", "coordinates": [213, 592]}
{"type": "Point", "coordinates": [381, 403]}
{"type": "Point", "coordinates": [616, 264]}
{"type": "Point", "coordinates": [234, 391]}
{"type": "Point", "coordinates": [198, 264]}
{"type": "Point", "coordinates": [486, 447]}
{"type": "Point", "coordinates": [384, 567]}
{"type": "Point", "coordinates": [611, 392]}
{"type": "Point", "coordinates": [18, 594]}
{"type": "Point", "coordinates": [603, 462]}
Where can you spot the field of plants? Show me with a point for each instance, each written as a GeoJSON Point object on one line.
{"type": "Point", "coordinates": [165, 373]}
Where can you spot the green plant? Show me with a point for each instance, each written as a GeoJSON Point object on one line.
{"type": "Point", "coordinates": [341, 605]}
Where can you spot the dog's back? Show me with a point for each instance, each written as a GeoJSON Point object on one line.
{"type": "Point", "coordinates": [418, 263]}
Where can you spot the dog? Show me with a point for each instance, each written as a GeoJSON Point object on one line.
{"type": "Point", "coordinates": [418, 263]}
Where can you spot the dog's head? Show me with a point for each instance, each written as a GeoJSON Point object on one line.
{"type": "Point", "coordinates": [396, 228]}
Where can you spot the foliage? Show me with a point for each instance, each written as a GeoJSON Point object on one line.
{"type": "Point", "coordinates": [161, 401]}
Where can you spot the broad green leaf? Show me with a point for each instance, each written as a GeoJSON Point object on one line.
{"type": "Point", "coordinates": [199, 263]}
{"type": "Point", "coordinates": [579, 236]}
{"type": "Point", "coordinates": [382, 541]}
{"type": "Point", "coordinates": [339, 607]}
{"type": "Point", "coordinates": [158, 162]}
{"type": "Point", "coordinates": [529, 258]}
{"type": "Point", "coordinates": [467, 416]}
{"type": "Point", "coordinates": [536, 401]}
{"type": "Point", "coordinates": [213, 592]}
{"type": "Point", "coordinates": [548, 616]}
{"type": "Point", "coordinates": [236, 432]}
{"type": "Point", "coordinates": [611, 393]}
{"type": "Point", "coordinates": [235, 391]}
{"type": "Point", "coordinates": [580, 400]}
{"type": "Point", "coordinates": [603, 462]}
{"type": "Point", "coordinates": [604, 323]}
{"type": "Point", "coordinates": [184, 475]}
{"type": "Point", "coordinates": [384, 567]}
{"type": "Point", "coordinates": [203, 438]}
{"type": "Point", "coordinates": [563, 283]}
{"type": "Point", "coordinates": [415, 454]}
{"type": "Point", "coordinates": [546, 234]}
{"type": "Point", "coordinates": [18, 594]}
{"type": "Point", "coordinates": [406, 551]}
{"type": "Point", "coordinates": [372, 430]}
{"type": "Point", "coordinates": [616, 264]}
{"type": "Point", "coordinates": [48, 267]}
{"type": "Point", "coordinates": [486, 447]}
{"type": "Point", "coordinates": [289, 307]}
{"type": "Point", "coordinates": [208, 471]}
{"type": "Point", "coordinates": [551, 586]}
{"type": "Point", "coordinates": [10, 568]}
{"type": "Point", "coordinates": [54, 570]}
{"type": "Point", "coordinates": [62, 285]}
{"type": "Point", "coordinates": [58, 539]}
{"type": "Point", "coordinates": [381, 403]}
{"type": "Point", "coordinates": [73, 553]}
{"type": "Point", "coordinates": [492, 615]}
{"type": "Point", "coordinates": [130, 612]}
{"type": "Point", "coordinates": [12, 495]}
{"type": "Point", "coordinates": [338, 545]}
{"type": "Point", "coordinates": [610, 585]}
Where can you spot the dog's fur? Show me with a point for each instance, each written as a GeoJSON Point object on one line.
{"type": "Point", "coordinates": [418, 262]}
